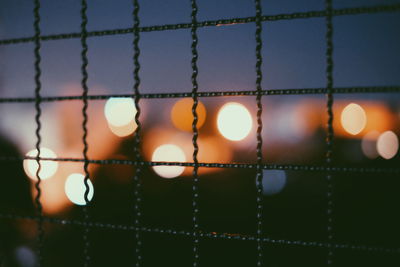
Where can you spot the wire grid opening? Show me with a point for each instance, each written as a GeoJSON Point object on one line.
{"type": "Point", "coordinates": [196, 234]}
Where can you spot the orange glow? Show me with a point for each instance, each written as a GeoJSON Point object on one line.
{"type": "Point", "coordinates": [53, 196]}
{"type": "Point", "coordinates": [387, 145]}
{"type": "Point", "coordinates": [69, 117]}
{"type": "Point", "coordinates": [169, 153]}
{"type": "Point", "coordinates": [378, 118]}
{"type": "Point", "coordinates": [48, 167]}
{"type": "Point", "coordinates": [234, 121]}
{"type": "Point", "coordinates": [353, 119]}
{"type": "Point", "coordinates": [182, 117]}
{"type": "Point", "coordinates": [211, 148]}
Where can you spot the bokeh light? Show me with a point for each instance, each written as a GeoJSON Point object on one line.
{"type": "Point", "coordinates": [234, 121]}
{"type": "Point", "coordinates": [368, 144]}
{"type": "Point", "coordinates": [387, 145]}
{"type": "Point", "coordinates": [168, 153]}
{"type": "Point", "coordinates": [353, 119]}
{"type": "Point", "coordinates": [119, 111]}
{"type": "Point", "coordinates": [273, 181]}
{"type": "Point", "coordinates": [25, 256]}
{"type": "Point", "coordinates": [75, 189]}
{"type": "Point", "coordinates": [123, 130]}
{"type": "Point", "coordinates": [182, 117]}
{"type": "Point", "coordinates": [47, 167]}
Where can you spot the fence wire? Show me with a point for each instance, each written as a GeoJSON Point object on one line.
{"type": "Point", "coordinates": [38, 86]}
{"type": "Point", "coordinates": [330, 131]}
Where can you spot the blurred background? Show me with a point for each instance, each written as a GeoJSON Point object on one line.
{"type": "Point", "coordinates": [366, 128]}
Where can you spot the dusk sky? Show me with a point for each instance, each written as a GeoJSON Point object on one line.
{"type": "Point", "coordinates": [366, 47]}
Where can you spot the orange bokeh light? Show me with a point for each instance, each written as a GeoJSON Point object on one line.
{"type": "Point", "coordinates": [378, 118]}
{"type": "Point", "coordinates": [182, 117]}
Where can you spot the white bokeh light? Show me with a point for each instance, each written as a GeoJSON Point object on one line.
{"type": "Point", "coordinates": [47, 167]}
{"type": "Point", "coordinates": [168, 153]}
{"type": "Point", "coordinates": [75, 189]}
{"type": "Point", "coordinates": [120, 111]}
{"type": "Point", "coordinates": [273, 181]}
{"type": "Point", "coordinates": [353, 119]}
{"type": "Point", "coordinates": [234, 121]}
{"type": "Point", "coordinates": [387, 145]}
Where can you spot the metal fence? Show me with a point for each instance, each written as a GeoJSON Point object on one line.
{"type": "Point", "coordinates": [261, 238]}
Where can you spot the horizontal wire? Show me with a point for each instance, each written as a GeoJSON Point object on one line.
{"type": "Point", "coordinates": [303, 91]}
{"type": "Point", "coordinates": [209, 23]}
{"type": "Point", "coordinates": [215, 235]}
{"type": "Point", "coordinates": [265, 166]}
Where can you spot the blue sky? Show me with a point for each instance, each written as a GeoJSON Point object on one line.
{"type": "Point", "coordinates": [366, 47]}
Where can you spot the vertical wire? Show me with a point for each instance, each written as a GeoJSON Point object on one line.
{"type": "Point", "coordinates": [330, 131]}
{"type": "Point", "coordinates": [195, 134]}
{"type": "Point", "coordinates": [136, 178]}
{"type": "Point", "coordinates": [84, 127]}
{"type": "Point", "coordinates": [259, 176]}
{"type": "Point", "coordinates": [38, 86]}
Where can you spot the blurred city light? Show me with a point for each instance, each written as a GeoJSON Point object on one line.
{"type": "Point", "coordinates": [120, 115]}
{"type": "Point", "coordinates": [273, 181]}
{"type": "Point", "coordinates": [119, 111]}
{"type": "Point", "coordinates": [47, 167]}
{"type": "Point", "coordinates": [182, 116]}
{"type": "Point", "coordinates": [234, 121]}
{"type": "Point", "coordinates": [25, 256]}
{"type": "Point", "coordinates": [377, 116]}
{"type": "Point", "coordinates": [368, 144]}
{"type": "Point", "coordinates": [75, 189]}
{"type": "Point", "coordinates": [124, 130]}
{"type": "Point", "coordinates": [387, 145]}
{"type": "Point", "coordinates": [168, 153]}
{"type": "Point", "coordinates": [353, 119]}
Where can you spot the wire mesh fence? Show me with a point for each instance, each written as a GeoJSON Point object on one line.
{"type": "Point", "coordinates": [195, 238]}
